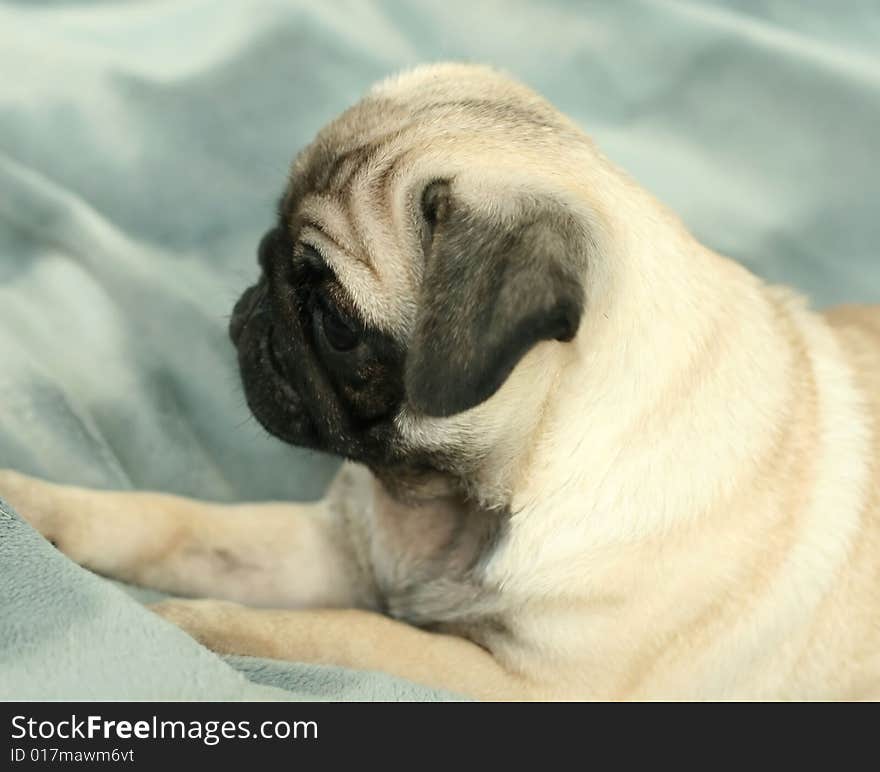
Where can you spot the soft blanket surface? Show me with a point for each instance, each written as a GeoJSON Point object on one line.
{"type": "Point", "coordinates": [143, 146]}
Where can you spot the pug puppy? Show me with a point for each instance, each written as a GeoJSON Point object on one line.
{"type": "Point", "coordinates": [588, 458]}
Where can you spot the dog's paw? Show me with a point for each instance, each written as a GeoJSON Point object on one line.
{"type": "Point", "coordinates": [217, 624]}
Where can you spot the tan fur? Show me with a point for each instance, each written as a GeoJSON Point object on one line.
{"type": "Point", "coordinates": [693, 483]}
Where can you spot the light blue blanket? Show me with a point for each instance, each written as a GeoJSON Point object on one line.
{"type": "Point", "coordinates": [143, 145]}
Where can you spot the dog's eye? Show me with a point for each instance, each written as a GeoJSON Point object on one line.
{"type": "Point", "coordinates": [339, 333]}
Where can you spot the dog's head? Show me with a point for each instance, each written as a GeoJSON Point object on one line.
{"type": "Point", "coordinates": [428, 244]}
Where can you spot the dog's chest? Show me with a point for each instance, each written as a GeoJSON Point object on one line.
{"type": "Point", "coordinates": [428, 561]}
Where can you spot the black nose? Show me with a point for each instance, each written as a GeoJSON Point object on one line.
{"type": "Point", "coordinates": [270, 246]}
{"type": "Point", "coordinates": [251, 302]}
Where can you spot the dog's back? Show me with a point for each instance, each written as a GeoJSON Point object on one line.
{"type": "Point", "coordinates": [857, 594]}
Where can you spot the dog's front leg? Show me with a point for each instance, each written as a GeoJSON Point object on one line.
{"type": "Point", "coordinates": [351, 638]}
{"type": "Point", "coordinates": [289, 555]}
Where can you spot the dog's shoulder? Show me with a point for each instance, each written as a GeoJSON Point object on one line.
{"type": "Point", "coordinates": [864, 320]}
{"type": "Point", "coordinates": [857, 327]}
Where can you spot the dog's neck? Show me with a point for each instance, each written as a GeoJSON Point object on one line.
{"type": "Point", "coordinates": [677, 366]}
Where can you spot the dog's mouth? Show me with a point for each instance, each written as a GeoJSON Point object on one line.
{"type": "Point", "coordinates": [268, 375]}
{"type": "Point", "coordinates": [277, 362]}
{"type": "Point", "coordinates": [278, 371]}
{"type": "Point", "coordinates": [273, 356]}
{"type": "Point", "coordinates": [253, 331]}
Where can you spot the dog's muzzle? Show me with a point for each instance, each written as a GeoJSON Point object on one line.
{"type": "Point", "coordinates": [252, 303]}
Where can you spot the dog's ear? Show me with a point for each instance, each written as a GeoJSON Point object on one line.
{"type": "Point", "coordinates": [494, 285]}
